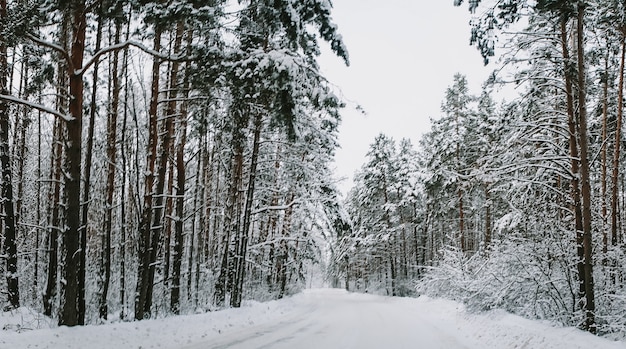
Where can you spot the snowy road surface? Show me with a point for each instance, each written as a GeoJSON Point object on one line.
{"type": "Point", "coordinates": [336, 319]}
{"type": "Point", "coordinates": [322, 318]}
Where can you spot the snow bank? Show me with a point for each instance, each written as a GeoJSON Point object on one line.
{"type": "Point", "coordinates": [172, 332]}
{"type": "Point", "coordinates": [498, 329]}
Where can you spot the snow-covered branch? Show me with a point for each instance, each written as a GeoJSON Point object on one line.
{"type": "Point", "coordinates": [125, 44]}
{"type": "Point", "coordinates": [182, 99]}
{"type": "Point", "coordinates": [52, 46]}
{"type": "Point", "coordinates": [40, 107]}
{"type": "Point", "coordinates": [273, 241]}
{"type": "Point", "coordinates": [275, 208]}
{"type": "Point", "coordinates": [100, 53]}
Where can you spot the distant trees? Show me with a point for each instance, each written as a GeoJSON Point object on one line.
{"type": "Point", "coordinates": [382, 251]}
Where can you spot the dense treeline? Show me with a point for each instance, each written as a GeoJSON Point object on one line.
{"type": "Point", "coordinates": [161, 157]}
{"type": "Point", "coordinates": [515, 205]}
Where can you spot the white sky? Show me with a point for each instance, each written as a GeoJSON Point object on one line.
{"type": "Point", "coordinates": [403, 56]}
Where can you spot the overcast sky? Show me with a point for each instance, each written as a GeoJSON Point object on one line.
{"type": "Point", "coordinates": [403, 56]}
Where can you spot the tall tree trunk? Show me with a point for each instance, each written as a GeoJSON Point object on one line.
{"type": "Point", "coordinates": [123, 226]}
{"type": "Point", "coordinates": [167, 226]}
{"type": "Point", "coordinates": [282, 257]}
{"type": "Point", "coordinates": [53, 218]}
{"type": "Point", "coordinates": [240, 259]}
{"type": "Point", "coordinates": [111, 153]}
{"type": "Point", "coordinates": [573, 148]}
{"type": "Point", "coordinates": [462, 239]}
{"type": "Point", "coordinates": [180, 215]}
{"type": "Point", "coordinates": [180, 165]}
{"type": "Point", "coordinates": [207, 236]}
{"type": "Point", "coordinates": [73, 256]}
{"type": "Point", "coordinates": [603, 154]}
{"type": "Point", "coordinates": [87, 167]}
{"type": "Point", "coordinates": [20, 151]}
{"type": "Point", "coordinates": [213, 184]}
{"type": "Point", "coordinates": [392, 266]}
{"type": "Point", "coordinates": [461, 220]}
{"type": "Point", "coordinates": [143, 266]}
{"type": "Point", "coordinates": [420, 244]}
{"type": "Point", "coordinates": [181, 181]}
{"type": "Point", "coordinates": [584, 174]}
{"type": "Point", "coordinates": [38, 212]}
{"type": "Point", "coordinates": [10, 238]}
{"type": "Point", "coordinates": [233, 206]}
{"type": "Point", "coordinates": [487, 216]}
{"type": "Point", "coordinates": [405, 254]}
{"type": "Point", "coordinates": [618, 143]}
{"type": "Point", "coordinates": [391, 241]}
{"type": "Point", "coordinates": [271, 226]}
{"type": "Point", "coordinates": [195, 241]}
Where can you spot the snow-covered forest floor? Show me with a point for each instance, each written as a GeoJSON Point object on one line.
{"type": "Point", "coordinates": [318, 318]}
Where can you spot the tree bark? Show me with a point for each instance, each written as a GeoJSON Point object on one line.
{"type": "Point", "coordinates": [584, 174]}
{"type": "Point", "coordinates": [10, 238]}
{"type": "Point", "coordinates": [618, 144]}
{"type": "Point", "coordinates": [167, 226]}
{"type": "Point", "coordinates": [37, 214]}
{"type": "Point", "coordinates": [240, 259]}
{"type": "Point", "coordinates": [87, 167]}
{"type": "Point", "coordinates": [603, 156]}
{"type": "Point", "coordinates": [123, 227]}
{"type": "Point", "coordinates": [20, 153]}
{"type": "Point", "coordinates": [233, 207]}
{"type": "Point", "coordinates": [180, 215]}
{"type": "Point", "coordinates": [575, 162]}
{"type": "Point", "coordinates": [73, 256]}
{"type": "Point", "coordinates": [487, 216]}
{"type": "Point", "coordinates": [181, 181]}
{"type": "Point", "coordinates": [144, 235]}
{"type": "Point", "coordinates": [53, 219]}
{"type": "Point", "coordinates": [195, 241]}
{"type": "Point", "coordinates": [111, 154]}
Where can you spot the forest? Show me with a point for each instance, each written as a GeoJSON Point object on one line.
{"type": "Point", "coordinates": [170, 157]}
{"type": "Point", "coordinates": [514, 205]}
{"type": "Point", "coordinates": [162, 157]}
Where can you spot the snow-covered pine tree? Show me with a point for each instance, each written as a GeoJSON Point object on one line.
{"type": "Point", "coordinates": [273, 77]}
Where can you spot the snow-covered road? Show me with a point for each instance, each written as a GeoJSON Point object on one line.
{"type": "Point", "coordinates": [331, 318]}
{"type": "Point", "coordinates": [336, 319]}
{"type": "Point", "coordinates": [321, 318]}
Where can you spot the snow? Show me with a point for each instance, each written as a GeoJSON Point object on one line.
{"type": "Point", "coordinates": [319, 318]}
